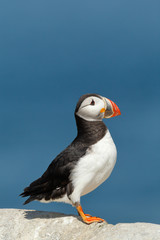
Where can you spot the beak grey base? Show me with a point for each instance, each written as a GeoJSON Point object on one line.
{"type": "Point", "coordinates": [109, 110]}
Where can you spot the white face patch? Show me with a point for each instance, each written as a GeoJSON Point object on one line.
{"type": "Point", "coordinates": [90, 109]}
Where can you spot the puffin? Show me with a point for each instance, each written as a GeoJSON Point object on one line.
{"type": "Point", "coordinates": [85, 164]}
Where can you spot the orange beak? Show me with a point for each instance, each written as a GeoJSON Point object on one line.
{"type": "Point", "coordinates": [111, 109]}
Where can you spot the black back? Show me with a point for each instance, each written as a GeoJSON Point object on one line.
{"type": "Point", "coordinates": [55, 181]}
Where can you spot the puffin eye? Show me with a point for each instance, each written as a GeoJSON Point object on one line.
{"type": "Point", "coordinates": [93, 102]}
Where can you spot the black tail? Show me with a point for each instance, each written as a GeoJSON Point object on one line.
{"type": "Point", "coordinates": [27, 193]}
{"type": "Point", "coordinates": [36, 190]}
{"type": "Point", "coordinates": [30, 199]}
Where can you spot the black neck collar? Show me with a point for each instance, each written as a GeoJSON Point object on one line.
{"type": "Point", "coordinates": [90, 132]}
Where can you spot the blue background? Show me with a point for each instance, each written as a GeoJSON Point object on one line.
{"type": "Point", "coordinates": [52, 52]}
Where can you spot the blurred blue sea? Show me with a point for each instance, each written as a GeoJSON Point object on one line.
{"type": "Point", "coordinates": [53, 52]}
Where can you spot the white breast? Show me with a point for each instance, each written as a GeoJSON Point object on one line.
{"type": "Point", "coordinates": [94, 168]}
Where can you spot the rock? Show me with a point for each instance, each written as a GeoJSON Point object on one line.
{"type": "Point", "coordinates": [18, 224]}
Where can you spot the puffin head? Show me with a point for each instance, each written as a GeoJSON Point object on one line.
{"type": "Point", "coordinates": [93, 107]}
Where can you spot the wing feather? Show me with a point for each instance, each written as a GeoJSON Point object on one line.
{"type": "Point", "coordinates": [55, 181]}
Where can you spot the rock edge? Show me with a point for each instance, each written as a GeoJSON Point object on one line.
{"type": "Point", "coordinates": [18, 224]}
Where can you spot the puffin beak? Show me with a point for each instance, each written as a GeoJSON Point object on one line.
{"type": "Point", "coordinates": [110, 109]}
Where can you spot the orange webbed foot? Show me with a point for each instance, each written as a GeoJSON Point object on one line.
{"type": "Point", "coordinates": [90, 220]}
{"type": "Point", "coordinates": [87, 218]}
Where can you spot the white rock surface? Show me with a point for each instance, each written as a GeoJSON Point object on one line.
{"type": "Point", "coordinates": [18, 224]}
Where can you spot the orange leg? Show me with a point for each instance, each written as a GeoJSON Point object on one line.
{"type": "Point", "coordinates": [86, 217]}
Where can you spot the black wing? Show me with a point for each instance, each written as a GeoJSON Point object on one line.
{"type": "Point", "coordinates": [55, 181]}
